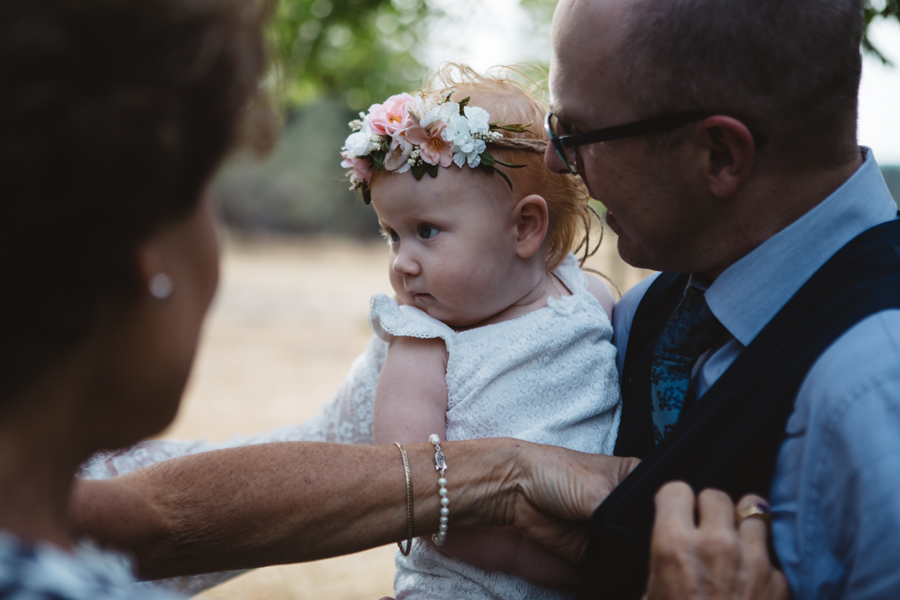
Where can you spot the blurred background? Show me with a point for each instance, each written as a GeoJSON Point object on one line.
{"type": "Point", "coordinates": [302, 254]}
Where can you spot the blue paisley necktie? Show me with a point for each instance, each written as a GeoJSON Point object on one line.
{"type": "Point", "coordinates": [690, 331]}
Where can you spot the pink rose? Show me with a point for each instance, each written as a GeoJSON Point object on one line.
{"type": "Point", "coordinates": [433, 149]}
{"type": "Point", "coordinates": [362, 167]}
{"type": "Point", "coordinates": [390, 117]}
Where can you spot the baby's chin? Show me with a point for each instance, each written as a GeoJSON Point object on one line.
{"type": "Point", "coordinates": [433, 307]}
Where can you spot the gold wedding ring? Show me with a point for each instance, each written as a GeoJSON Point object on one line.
{"type": "Point", "coordinates": [756, 511]}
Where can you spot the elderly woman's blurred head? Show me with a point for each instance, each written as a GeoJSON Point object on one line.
{"type": "Point", "coordinates": [114, 115]}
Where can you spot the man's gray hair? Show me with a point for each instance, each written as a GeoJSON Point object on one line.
{"type": "Point", "coordinates": [787, 68]}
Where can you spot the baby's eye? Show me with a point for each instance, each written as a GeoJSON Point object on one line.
{"type": "Point", "coordinates": [427, 231]}
{"type": "Point", "coordinates": [390, 235]}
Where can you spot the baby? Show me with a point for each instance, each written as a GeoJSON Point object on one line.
{"type": "Point", "coordinates": [494, 330]}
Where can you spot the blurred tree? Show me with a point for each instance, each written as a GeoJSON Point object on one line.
{"type": "Point", "coordinates": [300, 187]}
{"type": "Point", "coordinates": [359, 51]}
{"type": "Point", "coordinates": [877, 10]}
{"type": "Point", "coordinates": [873, 10]}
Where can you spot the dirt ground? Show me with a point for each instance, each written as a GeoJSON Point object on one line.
{"type": "Point", "coordinates": [289, 318]}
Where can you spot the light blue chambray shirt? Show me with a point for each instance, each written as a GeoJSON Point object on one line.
{"type": "Point", "coordinates": [836, 492]}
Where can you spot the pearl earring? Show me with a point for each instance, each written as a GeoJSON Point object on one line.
{"type": "Point", "coordinates": [161, 286]}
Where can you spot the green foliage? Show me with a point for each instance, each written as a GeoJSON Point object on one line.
{"type": "Point", "coordinates": [542, 11]}
{"type": "Point", "coordinates": [300, 187]}
{"type": "Point", "coordinates": [360, 51]}
{"type": "Point", "coordinates": [879, 9]}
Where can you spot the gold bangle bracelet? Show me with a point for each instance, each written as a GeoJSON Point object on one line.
{"type": "Point", "coordinates": [409, 504]}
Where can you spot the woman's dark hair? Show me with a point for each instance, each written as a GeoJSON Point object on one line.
{"type": "Point", "coordinates": [114, 114]}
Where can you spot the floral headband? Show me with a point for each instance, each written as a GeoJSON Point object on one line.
{"type": "Point", "coordinates": [418, 134]}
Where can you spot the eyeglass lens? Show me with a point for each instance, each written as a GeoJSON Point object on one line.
{"type": "Point", "coordinates": [555, 129]}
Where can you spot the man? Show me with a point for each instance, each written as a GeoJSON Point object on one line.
{"type": "Point", "coordinates": [768, 359]}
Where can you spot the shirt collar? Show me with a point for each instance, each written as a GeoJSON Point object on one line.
{"type": "Point", "coordinates": [747, 295]}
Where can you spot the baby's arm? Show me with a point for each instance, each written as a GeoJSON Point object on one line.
{"type": "Point", "coordinates": [410, 405]}
{"type": "Point", "coordinates": [509, 550]}
{"type": "Point", "coordinates": [411, 397]}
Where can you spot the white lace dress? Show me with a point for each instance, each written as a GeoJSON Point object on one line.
{"type": "Point", "coordinates": [548, 377]}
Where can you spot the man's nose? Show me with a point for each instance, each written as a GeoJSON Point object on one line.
{"type": "Point", "coordinates": [554, 162]}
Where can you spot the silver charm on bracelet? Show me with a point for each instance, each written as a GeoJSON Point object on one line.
{"type": "Point", "coordinates": [440, 465]}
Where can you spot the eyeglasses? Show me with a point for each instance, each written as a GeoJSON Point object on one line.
{"type": "Point", "coordinates": [565, 144]}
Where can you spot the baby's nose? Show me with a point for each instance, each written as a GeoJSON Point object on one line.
{"type": "Point", "coordinates": [405, 264]}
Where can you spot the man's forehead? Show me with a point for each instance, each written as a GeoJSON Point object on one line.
{"type": "Point", "coordinates": [586, 23]}
{"type": "Point", "coordinates": [587, 35]}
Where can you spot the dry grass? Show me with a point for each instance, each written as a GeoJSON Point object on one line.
{"type": "Point", "coordinates": [289, 319]}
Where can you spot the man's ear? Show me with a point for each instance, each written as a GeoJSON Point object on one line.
{"type": "Point", "coordinates": [532, 220]}
{"type": "Point", "coordinates": [728, 152]}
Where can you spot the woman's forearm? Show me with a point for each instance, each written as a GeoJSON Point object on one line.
{"type": "Point", "coordinates": [292, 502]}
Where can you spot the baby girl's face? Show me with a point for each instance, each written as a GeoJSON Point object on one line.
{"type": "Point", "coordinates": [452, 242]}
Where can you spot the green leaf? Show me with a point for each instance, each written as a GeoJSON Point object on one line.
{"type": "Point", "coordinates": [418, 171]}
{"type": "Point", "coordinates": [487, 158]}
{"type": "Point", "coordinates": [462, 105]}
{"type": "Point", "coordinates": [490, 170]}
{"type": "Point", "coordinates": [506, 164]}
{"type": "Point", "coordinates": [431, 170]}
{"type": "Point", "coordinates": [505, 178]}
{"type": "Point", "coordinates": [378, 159]}
{"type": "Point", "coordinates": [514, 128]}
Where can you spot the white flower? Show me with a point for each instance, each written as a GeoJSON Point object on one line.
{"type": "Point", "coordinates": [469, 153]}
{"type": "Point", "coordinates": [457, 131]}
{"type": "Point", "coordinates": [427, 111]}
{"type": "Point", "coordinates": [479, 119]}
{"type": "Point", "coordinates": [397, 158]}
{"type": "Point", "coordinates": [358, 144]}
{"type": "Point", "coordinates": [449, 109]}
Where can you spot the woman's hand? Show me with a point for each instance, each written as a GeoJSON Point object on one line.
{"type": "Point", "coordinates": [713, 556]}
{"type": "Point", "coordinates": [559, 490]}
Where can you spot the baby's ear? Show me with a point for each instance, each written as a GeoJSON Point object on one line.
{"type": "Point", "coordinates": [532, 221]}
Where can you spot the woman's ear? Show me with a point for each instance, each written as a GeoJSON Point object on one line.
{"type": "Point", "coordinates": [532, 221]}
{"type": "Point", "coordinates": [728, 154]}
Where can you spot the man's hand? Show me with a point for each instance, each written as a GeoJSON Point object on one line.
{"type": "Point", "coordinates": [711, 556]}
{"type": "Point", "coordinates": [560, 490]}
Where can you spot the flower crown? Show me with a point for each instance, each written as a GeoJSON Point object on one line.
{"type": "Point", "coordinates": [412, 133]}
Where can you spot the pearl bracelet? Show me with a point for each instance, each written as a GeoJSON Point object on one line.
{"type": "Point", "coordinates": [440, 465]}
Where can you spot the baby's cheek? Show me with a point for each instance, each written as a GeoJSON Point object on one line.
{"type": "Point", "coordinates": [471, 294]}
{"type": "Point", "coordinates": [396, 282]}
{"type": "Point", "coordinates": [455, 280]}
